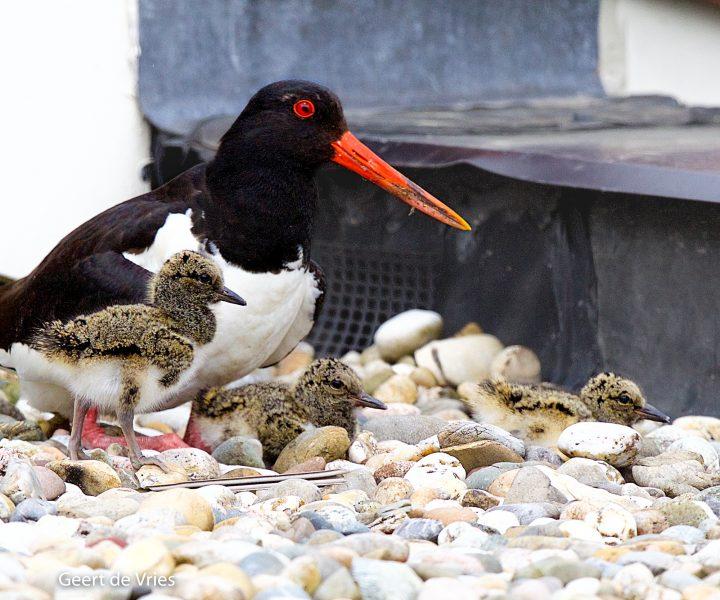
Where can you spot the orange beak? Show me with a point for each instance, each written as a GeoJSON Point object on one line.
{"type": "Point", "coordinates": [352, 154]}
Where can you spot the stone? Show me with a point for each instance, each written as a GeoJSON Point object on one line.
{"type": "Point", "coordinates": [466, 432]}
{"type": "Point", "coordinates": [303, 571]}
{"type": "Point", "coordinates": [589, 471]}
{"type": "Point", "coordinates": [482, 454]}
{"type": "Point", "coordinates": [701, 447]}
{"type": "Point", "coordinates": [389, 547]}
{"type": "Point", "coordinates": [240, 450]}
{"type": "Point", "coordinates": [466, 358]}
{"type": "Point", "coordinates": [684, 533]}
{"type": "Point", "coordinates": [448, 515]}
{"type": "Point", "coordinates": [408, 429]}
{"type": "Point", "coordinates": [543, 454]}
{"type": "Point", "coordinates": [91, 476]}
{"type": "Point", "coordinates": [463, 534]}
{"type": "Point", "coordinates": [406, 332]}
{"type": "Point", "coordinates": [149, 475]}
{"type": "Point", "coordinates": [6, 508]}
{"type": "Point", "coordinates": [532, 485]}
{"type": "Point", "coordinates": [615, 444]}
{"type": "Point", "coordinates": [329, 442]}
{"type": "Point", "coordinates": [392, 489]}
{"type": "Point", "coordinates": [20, 482]}
{"type": "Point", "coordinates": [500, 520]}
{"type": "Point", "coordinates": [650, 521]}
{"type": "Point", "coordinates": [374, 374]}
{"type": "Point", "coordinates": [304, 489]}
{"type": "Point", "coordinates": [633, 581]}
{"type": "Point", "coordinates": [27, 430]}
{"type": "Point", "coordinates": [363, 447]}
{"type": "Point", "coordinates": [262, 562]}
{"type": "Point", "coordinates": [233, 574]}
{"type": "Point", "coordinates": [148, 556]}
{"type": "Point", "coordinates": [311, 465]}
{"type": "Point", "coordinates": [674, 472]}
{"type": "Point", "coordinates": [419, 529]}
{"type": "Point", "coordinates": [706, 427]}
{"type": "Point", "coordinates": [613, 521]}
{"type": "Point", "coordinates": [382, 579]}
{"type": "Point", "coordinates": [50, 483]}
{"type": "Point", "coordinates": [33, 509]}
{"type": "Point", "coordinates": [447, 587]}
{"type": "Point", "coordinates": [397, 389]}
{"type": "Point", "coordinates": [517, 364]}
{"type": "Point", "coordinates": [579, 530]}
{"type": "Point", "coordinates": [439, 471]}
{"type": "Point", "coordinates": [357, 479]}
{"type": "Point", "coordinates": [339, 584]}
{"type": "Point", "coordinates": [331, 515]}
{"type": "Point", "coordinates": [527, 512]}
{"type": "Point", "coordinates": [196, 463]}
{"type": "Point", "coordinates": [685, 512]}
{"type": "Point", "coordinates": [475, 498]}
{"type": "Point", "coordinates": [557, 566]}
{"type": "Point", "coordinates": [398, 468]}
{"type": "Point", "coordinates": [481, 479]}
{"type": "Point", "coordinates": [191, 504]}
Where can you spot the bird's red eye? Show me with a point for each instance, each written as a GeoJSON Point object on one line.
{"type": "Point", "coordinates": [304, 109]}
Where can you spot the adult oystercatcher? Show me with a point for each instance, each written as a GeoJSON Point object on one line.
{"type": "Point", "coordinates": [250, 209]}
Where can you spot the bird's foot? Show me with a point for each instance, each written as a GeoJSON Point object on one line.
{"type": "Point", "coordinates": [140, 461]}
{"type": "Point", "coordinates": [94, 436]}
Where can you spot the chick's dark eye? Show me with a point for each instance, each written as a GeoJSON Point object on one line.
{"type": "Point", "coordinates": [336, 383]}
{"type": "Point", "coordinates": [304, 109]}
{"type": "Point", "coordinates": [625, 399]}
{"type": "Point", "coordinates": [205, 278]}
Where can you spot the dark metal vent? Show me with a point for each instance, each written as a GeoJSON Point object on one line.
{"type": "Point", "coordinates": [365, 287]}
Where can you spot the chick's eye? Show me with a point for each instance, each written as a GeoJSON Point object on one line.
{"type": "Point", "coordinates": [336, 383]}
{"type": "Point", "coordinates": [304, 109]}
{"type": "Point", "coordinates": [205, 278]}
{"type": "Point", "coordinates": [625, 399]}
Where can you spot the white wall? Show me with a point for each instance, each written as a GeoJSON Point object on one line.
{"type": "Point", "coordinates": [669, 47]}
{"type": "Point", "coordinates": [73, 139]}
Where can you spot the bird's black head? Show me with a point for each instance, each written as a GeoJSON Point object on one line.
{"type": "Point", "coordinates": [294, 120]}
{"type": "Point", "coordinates": [293, 127]}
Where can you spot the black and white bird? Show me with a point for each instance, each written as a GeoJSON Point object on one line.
{"type": "Point", "coordinates": [250, 209]}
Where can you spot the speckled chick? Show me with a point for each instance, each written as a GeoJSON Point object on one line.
{"type": "Point", "coordinates": [539, 413]}
{"type": "Point", "coordinates": [274, 413]}
{"type": "Point", "coordinates": [120, 358]}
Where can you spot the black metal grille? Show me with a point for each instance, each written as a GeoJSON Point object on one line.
{"type": "Point", "coordinates": [365, 287]}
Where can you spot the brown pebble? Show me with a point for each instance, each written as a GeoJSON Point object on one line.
{"type": "Point", "coordinates": [450, 514]}
{"type": "Point", "coordinates": [241, 472]}
{"type": "Point", "coordinates": [311, 465]}
{"type": "Point", "coordinates": [502, 483]}
{"type": "Point", "coordinates": [479, 499]}
{"type": "Point", "coordinates": [397, 468]}
{"type": "Point", "coordinates": [650, 521]}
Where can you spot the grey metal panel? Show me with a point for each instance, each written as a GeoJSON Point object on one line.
{"type": "Point", "coordinates": [202, 59]}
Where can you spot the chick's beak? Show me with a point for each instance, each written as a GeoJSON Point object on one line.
{"type": "Point", "coordinates": [352, 154]}
{"type": "Point", "coordinates": [226, 295]}
{"type": "Point", "coordinates": [367, 400]}
{"type": "Point", "coordinates": [651, 413]}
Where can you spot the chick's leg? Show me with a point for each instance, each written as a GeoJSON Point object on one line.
{"type": "Point", "coordinates": [80, 408]}
{"type": "Point", "coordinates": [125, 415]}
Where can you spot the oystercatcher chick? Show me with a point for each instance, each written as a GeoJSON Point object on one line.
{"type": "Point", "coordinates": [251, 209]}
{"type": "Point", "coordinates": [123, 358]}
{"type": "Point", "coordinates": [325, 394]}
{"type": "Point", "coordinates": [539, 413]}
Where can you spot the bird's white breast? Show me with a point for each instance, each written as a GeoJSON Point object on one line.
{"type": "Point", "coordinates": [246, 335]}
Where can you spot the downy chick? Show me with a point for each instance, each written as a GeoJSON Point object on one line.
{"type": "Point", "coordinates": [124, 357]}
{"type": "Point", "coordinates": [274, 413]}
{"type": "Point", "coordinates": [539, 413]}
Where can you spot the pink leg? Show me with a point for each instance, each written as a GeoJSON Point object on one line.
{"type": "Point", "coordinates": [95, 437]}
